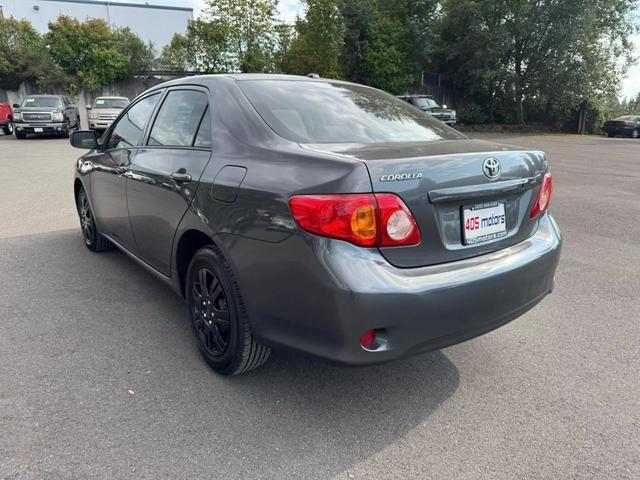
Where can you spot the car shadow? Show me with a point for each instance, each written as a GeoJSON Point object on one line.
{"type": "Point", "coordinates": [118, 330]}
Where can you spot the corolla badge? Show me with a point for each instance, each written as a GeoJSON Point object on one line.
{"type": "Point", "coordinates": [398, 177]}
{"type": "Point", "coordinates": [491, 168]}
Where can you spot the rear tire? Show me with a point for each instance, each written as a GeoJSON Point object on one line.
{"type": "Point", "coordinates": [8, 128]}
{"type": "Point", "coordinates": [635, 133]}
{"type": "Point", "coordinates": [92, 237]}
{"type": "Point", "coordinates": [219, 317]}
{"type": "Point", "coordinates": [611, 134]}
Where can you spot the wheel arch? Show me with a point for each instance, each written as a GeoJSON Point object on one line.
{"type": "Point", "coordinates": [77, 185]}
{"type": "Point", "coordinates": [189, 243]}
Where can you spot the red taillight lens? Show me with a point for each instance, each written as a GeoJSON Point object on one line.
{"type": "Point", "coordinates": [367, 220]}
{"type": "Point", "coordinates": [544, 196]}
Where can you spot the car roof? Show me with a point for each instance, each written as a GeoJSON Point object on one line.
{"type": "Point", "coordinates": [231, 77]}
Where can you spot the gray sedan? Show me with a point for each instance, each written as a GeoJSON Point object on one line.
{"type": "Point", "coordinates": [318, 215]}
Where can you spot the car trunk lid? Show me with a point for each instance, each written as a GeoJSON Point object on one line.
{"type": "Point", "coordinates": [438, 180]}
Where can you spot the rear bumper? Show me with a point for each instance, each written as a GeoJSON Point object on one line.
{"type": "Point", "coordinates": [47, 128]}
{"type": "Point", "coordinates": [323, 303]}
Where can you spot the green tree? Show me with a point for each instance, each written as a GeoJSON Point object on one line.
{"type": "Point", "coordinates": [140, 56]}
{"type": "Point", "coordinates": [203, 48]}
{"type": "Point", "coordinates": [542, 58]}
{"type": "Point", "coordinates": [284, 36]}
{"type": "Point", "coordinates": [249, 26]}
{"type": "Point", "coordinates": [93, 54]}
{"type": "Point", "coordinates": [320, 36]}
{"type": "Point", "coordinates": [387, 43]}
{"type": "Point", "coordinates": [231, 35]}
{"type": "Point", "coordinates": [23, 56]}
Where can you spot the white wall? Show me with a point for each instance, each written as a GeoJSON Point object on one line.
{"type": "Point", "coordinates": [150, 22]}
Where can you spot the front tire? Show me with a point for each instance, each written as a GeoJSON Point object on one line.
{"type": "Point", "coordinates": [92, 237]}
{"type": "Point", "coordinates": [65, 133]}
{"type": "Point", "coordinates": [8, 128]}
{"type": "Point", "coordinates": [611, 134]}
{"type": "Point", "coordinates": [218, 315]}
{"type": "Point", "coordinates": [20, 135]}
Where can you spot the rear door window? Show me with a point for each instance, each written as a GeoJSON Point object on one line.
{"type": "Point", "coordinates": [129, 129]}
{"type": "Point", "coordinates": [177, 122]}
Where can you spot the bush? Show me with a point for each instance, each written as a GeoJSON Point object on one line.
{"type": "Point", "coordinates": [472, 114]}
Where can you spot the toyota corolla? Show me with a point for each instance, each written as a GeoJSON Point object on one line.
{"type": "Point", "coordinates": [318, 215]}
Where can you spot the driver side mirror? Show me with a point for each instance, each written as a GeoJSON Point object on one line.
{"type": "Point", "coordinates": [15, 105]}
{"type": "Point", "coordinates": [85, 139]}
{"type": "Point", "coordinates": [444, 106]}
{"type": "Point", "coordinates": [88, 107]}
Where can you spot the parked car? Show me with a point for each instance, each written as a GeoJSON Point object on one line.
{"type": "Point", "coordinates": [627, 125]}
{"type": "Point", "coordinates": [318, 215]}
{"type": "Point", "coordinates": [46, 115]}
{"type": "Point", "coordinates": [6, 118]}
{"type": "Point", "coordinates": [428, 104]}
{"type": "Point", "coordinates": [104, 111]}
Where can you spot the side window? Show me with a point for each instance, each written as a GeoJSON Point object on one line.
{"type": "Point", "coordinates": [128, 130]}
{"type": "Point", "coordinates": [203, 138]}
{"type": "Point", "coordinates": [178, 119]}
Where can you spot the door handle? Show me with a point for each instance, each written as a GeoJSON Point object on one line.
{"type": "Point", "coordinates": [120, 170]}
{"type": "Point", "coordinates": [181, 176]}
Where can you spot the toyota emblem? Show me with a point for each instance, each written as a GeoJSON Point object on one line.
{"type": "Point", "coordinates": [492, 168]}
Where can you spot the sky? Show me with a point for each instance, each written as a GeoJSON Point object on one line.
{"type": "Point", "coordinates": [289, 8]}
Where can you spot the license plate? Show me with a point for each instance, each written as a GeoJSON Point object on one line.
{"type": "Point", "coordinates": [483, 222]}
{"type": "Point", "coordinates": [38, 130]}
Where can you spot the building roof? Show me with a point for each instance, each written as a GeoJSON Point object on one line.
{"type": "Point", "coordinates": [112, 3]}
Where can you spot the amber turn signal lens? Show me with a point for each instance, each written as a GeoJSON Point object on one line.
{"type": "Point", "coordinates": [363, 222]}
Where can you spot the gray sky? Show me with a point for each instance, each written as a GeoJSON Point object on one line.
{"type": "Point", "coordinates": [289, 8]}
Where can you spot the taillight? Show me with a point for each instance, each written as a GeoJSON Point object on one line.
{"type": "Point", "coordinates": [397, 224]}
{"type": "Point", "coordinates": [367, 220]}
{"type": "Point", "coordinates": [544, 196]}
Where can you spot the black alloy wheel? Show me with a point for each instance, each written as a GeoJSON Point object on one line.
{"type": "Point", "coordinates": [87, 224]}
{"type": "Point", "coordinates": [210, 313]}
{"type": "Point", "coordinates": [218, 315]}
{"type": "Point", "coordinates": [92, 238]}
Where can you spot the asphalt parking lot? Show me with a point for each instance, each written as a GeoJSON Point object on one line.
{"type": "Point", "coordinates": [100, 378]}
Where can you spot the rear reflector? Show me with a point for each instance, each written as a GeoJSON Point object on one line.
{"type": "Point", "coordinates": [368, 338]}
{"type": "Point", "coordinates": [367, 220]}
{"type": "Point", "coordinates": [544, 196]}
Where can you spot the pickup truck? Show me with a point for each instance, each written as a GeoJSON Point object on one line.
{"type": "Point", "coordinates": [104, 111]}
{"type": "Point", "coordinates": [6, 118]}
{"type": "Point", "coordinates": [46, 115]}
{"type": "Point", "coordinates": [428, 105]}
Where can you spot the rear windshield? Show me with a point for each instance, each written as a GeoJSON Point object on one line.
{"type": "Point", "coordinates": [326, 112]}
{"type": "Point", "coordinates": [628, 118]}
{"type": "Point", "coordinates": [43, 102]}
{"type": "Point", "coordinates": [110, 103]}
